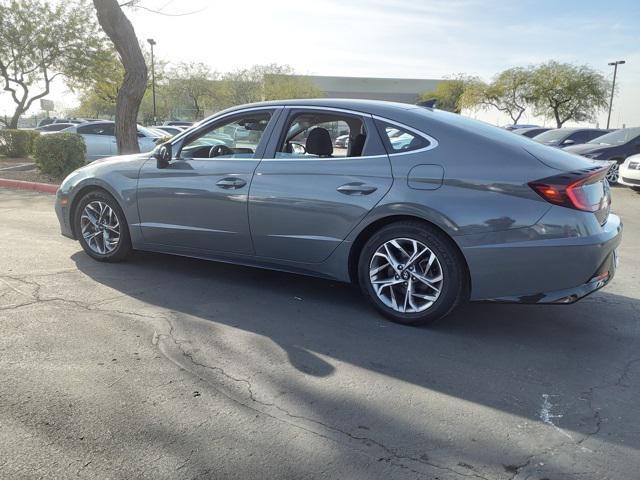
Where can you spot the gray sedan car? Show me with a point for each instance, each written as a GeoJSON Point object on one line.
{"type": "Point", "coordinates": [458, 210]}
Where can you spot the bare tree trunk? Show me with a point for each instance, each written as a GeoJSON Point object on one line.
{"type": "Point", "coordinates": [119, 29]}
{"type": "Point", "coordinates": [13, 123]}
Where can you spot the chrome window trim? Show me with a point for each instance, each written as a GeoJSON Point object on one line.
{"type": "Point", "coordinates": [323, 159]}
{"type": "Point", "coordinates": [216, 117]}
{"type": "Point", "coordinates": [178, 139]}
{"type": "Point", "coordinates": [433, 143]}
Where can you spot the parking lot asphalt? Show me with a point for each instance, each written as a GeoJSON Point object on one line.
{"type": "Point", "coordinates": [166, 367]}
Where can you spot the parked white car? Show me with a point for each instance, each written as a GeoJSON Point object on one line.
{"type": "Point", "coordinates": [101, 141]}
{"type": "Point", "coordinates": [629, 173]}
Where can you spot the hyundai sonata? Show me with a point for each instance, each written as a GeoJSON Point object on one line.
{"type": "Point", "coordinates": [424, 210]}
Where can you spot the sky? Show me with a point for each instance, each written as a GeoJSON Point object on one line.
{"type": "Point", "coordinates": [401, 38]}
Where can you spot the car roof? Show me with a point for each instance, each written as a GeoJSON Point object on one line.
{"type": "Point", "coordinates": [365, 106]}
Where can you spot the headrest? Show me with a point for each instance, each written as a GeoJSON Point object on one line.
{"type": "Point", "coordinates": [356, 145]}
{"type": "Point", "coordinates": [319, 142]}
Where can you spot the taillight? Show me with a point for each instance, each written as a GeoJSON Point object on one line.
{"type": "Point", "coordinates": [585, 190]}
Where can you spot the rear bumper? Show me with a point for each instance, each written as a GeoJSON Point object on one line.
{"type": "Point", "coordinates": [551, 262]}
{"type": "Point", "coordinates": [600, 278]}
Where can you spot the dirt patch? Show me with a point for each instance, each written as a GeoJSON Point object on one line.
{"type": "Point", "coordinates": [9, 162]}
{"type": "Point", "coordinates": [30, 176]}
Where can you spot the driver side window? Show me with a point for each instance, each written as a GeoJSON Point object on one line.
{"type": "Point", "coordinates": [235, 137]}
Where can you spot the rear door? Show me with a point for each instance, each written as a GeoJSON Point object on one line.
{"type": "Point", "coordinates": [305, 198]}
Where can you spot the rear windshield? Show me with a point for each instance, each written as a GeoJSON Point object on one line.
{"type": "Point", "coordinates": [618, 137]}
{"type": "Point", "coordinates": [551, 136]}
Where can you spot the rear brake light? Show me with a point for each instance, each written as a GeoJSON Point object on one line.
{"type": "Point", "coordinates": [582, 190]}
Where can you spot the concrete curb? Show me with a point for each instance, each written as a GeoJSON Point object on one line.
{"type": "Point", "coordinates": [33, 186]}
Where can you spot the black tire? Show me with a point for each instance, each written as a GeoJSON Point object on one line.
{"type": "Point", "coordinates": [123, 248]}
{"type": "Point", "coordinates": [454, 288]}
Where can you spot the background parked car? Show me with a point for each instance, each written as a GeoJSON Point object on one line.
{"type": "Point", "coordinates": [177, 123]}
{"type": "Point", "coordinates": [168, 129]}
{"type": "Point", "coordinates": [564, 137]}
{"type": "Point", "coordinates": [516, 126]}
{"type": "Point", "coordinates": [615, 146]}
{"type": "Point", "coordinates": [342, 141]}
{"type": "Point", "coordinates": [101, 141]}
{"type": "Point", "coordinates": [53, 127]}
{"type": "Point", "coordinates": [49, 121]}
{"type": "Point", "coordinates": [530, 132]}
{"type": "Point", "coordinates": [630, 172]}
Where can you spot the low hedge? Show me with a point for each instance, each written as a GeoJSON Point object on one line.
{"type": "Point", "coordinates": [17, 143]}
{"type": "Point", "coordinates": [59, 154]}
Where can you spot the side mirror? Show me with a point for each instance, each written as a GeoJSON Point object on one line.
{"type": "Point", "coordinates": [163, 155]}
{"type": "Point", "coordinates": [568, 141]}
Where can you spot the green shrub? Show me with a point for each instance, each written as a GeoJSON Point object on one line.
{"type": "Point", "coordinates": [33, 136]}
{"type": "Point", "coordinates": [16, 143]}
{"type": "Point", "coordinates": [59, 154]}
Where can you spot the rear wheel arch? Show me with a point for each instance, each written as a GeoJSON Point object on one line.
{"type": "Point", "coordinates": [373, 227]}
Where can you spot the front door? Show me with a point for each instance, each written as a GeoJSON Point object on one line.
{"type": "Point", "coordinates": [199, 201]}
{"type": "Point", "coordinates": [320, 176]}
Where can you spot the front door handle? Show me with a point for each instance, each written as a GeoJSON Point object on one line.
{"type": "Point", "coordinates": [231, 182]}
{"type": "Point", "coordinates": [356, 188]}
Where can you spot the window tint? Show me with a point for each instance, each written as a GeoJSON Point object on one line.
{"type": "Point", "coordinates": [97, 129]}
{"type": "Point", "coordinates": [323, 135]}
{"type": "Point", "coordinates": [581, 136]}
{"type": "Point", "coordinates": [236, 137]}
{"type": "Point", "coordinates": [397, 139]}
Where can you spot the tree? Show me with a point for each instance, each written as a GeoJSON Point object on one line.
{"type": "Point", "coordinates": [194, 84]}
{"type": "Point", "coordinates": [40, 41]}
{"type": "Point", "coordinates": [263, 82]}
{"type": "Point", "coordinates": [448, 93]}
{"type": "Point", "coordinates": [567, 92]}
{"type": "Point", "coordinates": [119, 29]}
{"type": "Point", "coordinates": [508, 92]}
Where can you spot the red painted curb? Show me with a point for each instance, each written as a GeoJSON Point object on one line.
{"type": "Point", "coordinates": [34, 186]}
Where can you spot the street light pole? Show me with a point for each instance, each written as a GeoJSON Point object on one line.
{"type": "Point", "coordinates": [152, 42]}
{"type": "Point", "coordinates": [613, 87]}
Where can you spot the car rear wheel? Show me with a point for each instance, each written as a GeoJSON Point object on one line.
{"type": "Point", "coordinates": [411, 273]}
{"type": "Point", "coordinates": [101, 227]}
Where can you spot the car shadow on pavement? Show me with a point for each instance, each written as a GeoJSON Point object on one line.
{"type": "Point", "coordinates": [505, 357]}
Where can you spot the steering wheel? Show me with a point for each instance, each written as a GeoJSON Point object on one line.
{"type": "Point", "coordinates": [218, 150]}
{"type": "Point", "coordinates": [296, 148]}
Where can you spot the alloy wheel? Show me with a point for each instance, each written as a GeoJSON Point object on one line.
{"type": "Point", "coordinates": [613, 173]}
{"type": "Point", "coordinates": [406, 275]}
{"type": "Point", "coordinates": [100, 227]}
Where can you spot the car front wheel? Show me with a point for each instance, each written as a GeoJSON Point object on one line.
{"type": "Point", "coordinates": [412, 273]}
{"type": "Point", "coordinates": [614, 173]}
{"type": "Point", "coordinates": [101, 227]}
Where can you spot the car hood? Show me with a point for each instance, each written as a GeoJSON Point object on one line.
{"type": "Point", "coordinates": [117, 161]}
{"type": "Point", "coordinates": [587, 148]}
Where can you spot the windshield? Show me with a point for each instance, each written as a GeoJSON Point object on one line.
{"type": "Point", "coordinates": [551, 136]}
{"type": "Point", "coordinates": [147, 132]}
{"type": "Point", "coordinates": [618, 137]}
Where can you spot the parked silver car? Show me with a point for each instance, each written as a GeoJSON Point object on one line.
{"type": "Point", "coordinates": [425, 209]}
{"type": "Point", "coordinates": [100, 138]}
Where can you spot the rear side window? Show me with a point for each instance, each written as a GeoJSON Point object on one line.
{"type": "Point", "coordinates": [397, 139]}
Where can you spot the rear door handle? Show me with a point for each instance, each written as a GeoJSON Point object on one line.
{"type": "Point", "coordinates": [231, 182]}
{"type": "Point", "coordinates": [356, 188]}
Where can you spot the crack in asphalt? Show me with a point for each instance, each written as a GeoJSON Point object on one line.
{"type": "Point", "coordinates": [252, 397]}
{"type": "Point", "coordinates": [390, 455]}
